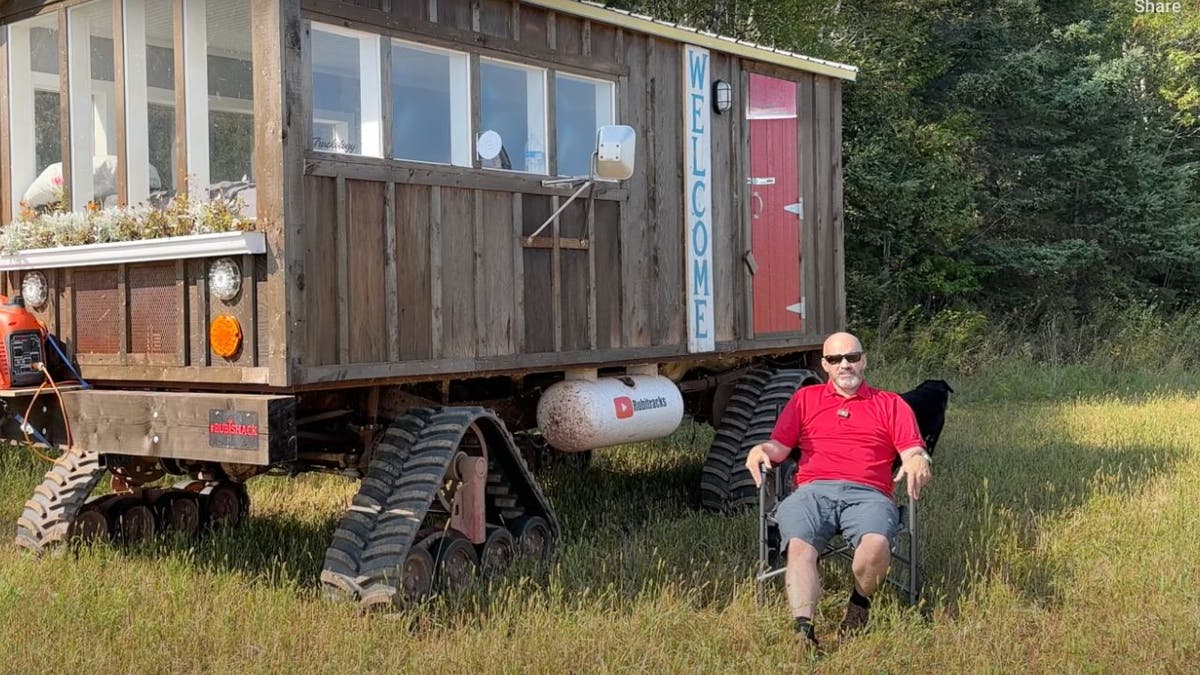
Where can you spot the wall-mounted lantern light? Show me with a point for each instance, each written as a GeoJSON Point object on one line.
{"type": "Point", "coordinates": [722, 96]}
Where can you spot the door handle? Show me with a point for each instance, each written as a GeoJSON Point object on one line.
{"type": "Point", "coordinates": [756, 212]}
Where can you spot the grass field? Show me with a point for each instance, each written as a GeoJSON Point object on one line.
{"type": "Point", "coordinates": [1061, 534]}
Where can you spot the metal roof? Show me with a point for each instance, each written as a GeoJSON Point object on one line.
{"type": "Point", "coordinates": [680, 33]}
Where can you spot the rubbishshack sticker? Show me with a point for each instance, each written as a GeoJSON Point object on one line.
{"type": "Point", "coordinates": [233, 429]}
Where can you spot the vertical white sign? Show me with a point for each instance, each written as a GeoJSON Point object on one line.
{"type": "Point", "coordinates": [697, 201]}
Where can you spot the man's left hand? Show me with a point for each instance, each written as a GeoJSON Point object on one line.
{"type": "Point", "coordinates": [915, 467]}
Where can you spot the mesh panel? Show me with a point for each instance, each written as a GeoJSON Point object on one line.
{"type": "Point", "coordinates": [154, 310]}
{"type": "Point", "coordinates": [97, 312]}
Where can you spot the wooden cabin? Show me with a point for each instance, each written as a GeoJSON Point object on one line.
{"type": "Point", "coordinates": [392, 250]}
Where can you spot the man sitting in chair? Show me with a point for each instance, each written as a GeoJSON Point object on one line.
{"type": "Point", "coordinates": [848, 434]}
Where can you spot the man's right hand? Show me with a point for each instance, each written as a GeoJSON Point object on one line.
{"type": "Point", "coordinates": [757, 462]}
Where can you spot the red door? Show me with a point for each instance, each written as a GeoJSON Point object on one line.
{"type": "Point", "coordinates": [775, 207]}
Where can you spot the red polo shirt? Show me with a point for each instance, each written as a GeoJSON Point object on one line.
{"type": "Point", "coordinates": [853, 439]}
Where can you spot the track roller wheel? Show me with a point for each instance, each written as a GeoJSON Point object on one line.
{"type": "Point", "coordinates": [455, 560]}
{"type": "Point", "coordinates": [90, 526]}
{"type": "Point", "coordinates": [224, 504]}
{"type": "Point", "coordinates": [176, 510]}
{"type": "Point", "coordinates": [497, 553]}
{"type": "Point", "coordinates": [533, 537]}
{"type": "Point", "coordinates": [417, 576]}
{"type": "Point", "coordinates": [130, 521]}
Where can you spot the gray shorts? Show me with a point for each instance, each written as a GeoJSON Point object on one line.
{"type": "Point", "coordinates": [817, 511]}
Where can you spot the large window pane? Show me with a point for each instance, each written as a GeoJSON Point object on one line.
{"type": "Point", "coordinates": [150, 92]}
{"type": "Point", "coordinates": [430, 112]}
{"type": "Point", "coordinates": [230, 92]}
{"type": "Point", "coordinates": [513, 104]}
{"type": "Point", "coordinates": [346, 91]}
{"type": "Point", "coordinates": [93, 104]}
{"type": "Point", "coordinates": [581, 106]}
{"type": "Point", "coordinates": [34, 116]}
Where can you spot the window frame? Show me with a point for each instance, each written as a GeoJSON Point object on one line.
{"type": "Point", "coordinates": [546, 114]}
{"type": "Point", "coordinates": [371, 110]}
{"type": "Point", "coordinates": [462, 138]}
{"type": "Point", "coordinates": [612, 105]}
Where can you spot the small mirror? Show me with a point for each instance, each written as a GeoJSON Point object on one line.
{"type": "Point", "coordinates": [615, 148]}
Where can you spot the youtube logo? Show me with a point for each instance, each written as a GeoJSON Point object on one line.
{"type": "Point", "coordinates": [624, 407]}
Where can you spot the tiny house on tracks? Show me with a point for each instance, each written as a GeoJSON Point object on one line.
{"type": "Point", "coordinates": [394, 253]}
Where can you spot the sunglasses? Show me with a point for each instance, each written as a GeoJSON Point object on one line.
{"type": "Point", "coordinates": [834, 359]}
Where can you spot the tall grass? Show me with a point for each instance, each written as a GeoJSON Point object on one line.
{"type": "Point", "coordinates": [1059, 534]}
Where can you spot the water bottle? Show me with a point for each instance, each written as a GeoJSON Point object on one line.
{"type": "Point", "coordinates": [535, 156]}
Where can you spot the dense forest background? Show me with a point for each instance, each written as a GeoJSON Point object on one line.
{"type": "Point", "coordinates": [1015, 162]}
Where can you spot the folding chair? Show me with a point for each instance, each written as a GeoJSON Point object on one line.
{"type": "Point", "coordinates": [904, 573]}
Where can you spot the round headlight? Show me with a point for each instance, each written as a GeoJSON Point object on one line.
{"type": "Point", "coordinates": [34, 289]}
{"type": "Point", "coordinates": [225, 279]}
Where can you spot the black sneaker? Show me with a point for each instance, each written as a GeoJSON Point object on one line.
{"type": "Point", "coordinates": [855, 621]}
{"type": "Point", "coordinates": [807, 641]}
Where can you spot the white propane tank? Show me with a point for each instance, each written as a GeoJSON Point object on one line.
{"type": "Point", "coordinates": [579, 415]}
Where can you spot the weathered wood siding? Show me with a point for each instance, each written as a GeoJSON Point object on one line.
{"type": "Point", "coordinates": [383, 269]}
{"type": "Point", "coordinates": [605, 281]}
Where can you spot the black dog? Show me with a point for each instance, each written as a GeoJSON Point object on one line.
{"type": "Point", "coordinates": [928, 402]}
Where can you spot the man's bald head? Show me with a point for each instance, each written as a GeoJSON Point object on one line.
{"type": "Point", "coordinates": [846, 376]}
{"type": "Point", "coordinates": [842, 343]}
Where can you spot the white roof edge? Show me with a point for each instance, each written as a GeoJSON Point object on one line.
{"type": "Point", "coordinates": [645, 24]}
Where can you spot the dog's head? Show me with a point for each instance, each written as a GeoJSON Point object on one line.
{"type": "Point", "coordinates": [938, 386]}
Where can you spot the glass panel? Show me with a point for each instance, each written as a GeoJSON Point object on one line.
{"type": "Point", "coordinates": [581, 106]}
{"type": "Point", "coordinates": [430, 113]}
{"type": "Point", "coordinates": [345, 91]}
{"type": "Point", "coordinates": [34, 114]}
{"type": "Point", "coordinates": [150, 92]}
{"type": "Point", "coordinates": [513, 104]}
{"type": "Point", "coordinates": [230, 93]}
{"type": "Point", "coordinates": [93, 105]}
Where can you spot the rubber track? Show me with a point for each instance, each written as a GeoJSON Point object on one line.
{"type": "Point", "coordinates": [47, 517]}
{"type": "Point", "coordinates": [377, 532]}
{"type": "Point", "coordinates": [718, 465]}
{"type": "Point", "coordinates": [775, 395]}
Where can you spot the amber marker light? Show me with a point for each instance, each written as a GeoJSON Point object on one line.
{"type": "Point", "coordinates": [225, 336]}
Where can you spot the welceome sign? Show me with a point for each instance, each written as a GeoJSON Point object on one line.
{"type": "Point", "coordinates": [697, 201]}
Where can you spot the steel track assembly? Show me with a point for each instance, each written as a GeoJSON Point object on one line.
{"type": "Point", "coordinates": [444, 490]}
{"type": "Point", "coordinates": [61, 509]}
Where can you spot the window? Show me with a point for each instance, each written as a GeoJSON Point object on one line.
{"type": "Point", "coordinates": [150, 92]}
{"type": "Point", "coordinates": [34, 117]}
{"type": "Point", "coordinates": [230, 94]}
{"type": "Point", "coordinates": [513, 104]}
{"type": "Point", "coordinates": [346, 92]}
{"type": "Point", "coordinates": [93, 104]}
{"type": "Point", "coordinates": [581, 106]}
{"type": "Point", "coordinates": [430, 105]}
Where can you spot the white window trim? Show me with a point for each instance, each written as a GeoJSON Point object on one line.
{"type": "Point", "coordinates": [22, 124]}
{"type": "Point", "coordinates": [370, 87]}
{"type": "Point", "coordinates": [195, 90]}
{"type": "Point", "coordinates": [460, 102]}
{"type": "Point", "coordinates": [612, 89]}
{"type": "Point", "coordinates": [137, 116]}
{"type": "Point", "coordinates": [542, 124]}
{"type": "Point", "coordinates": [597, 88]}
{"type": "Point", "coordinates": [83, 142]}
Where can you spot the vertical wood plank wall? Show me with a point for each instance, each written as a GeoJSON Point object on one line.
{"type": "Point", "coordinates": [369, 266]}
{"type": "Point", "coordinates": [467, 287]}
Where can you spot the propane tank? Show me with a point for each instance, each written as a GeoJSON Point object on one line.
{"type": "Point", "coordinates": [580, 415]}
{"type": "Point", "coordinates": [21, 344]}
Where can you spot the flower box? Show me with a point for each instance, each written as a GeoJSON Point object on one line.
{"type": "Point", "coordinates": [144, 250]}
